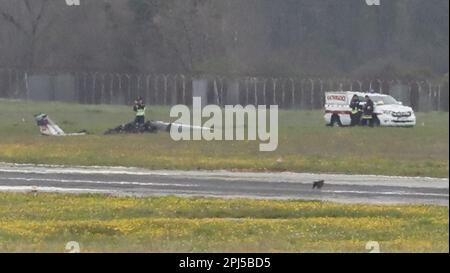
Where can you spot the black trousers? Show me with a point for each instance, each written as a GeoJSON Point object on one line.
{"type": "Point", "coordinates": [139, 120]}
{"type": "Point", "coordinates": [366, 121]}
{"type": "Point", "coordinates": [355, 119]}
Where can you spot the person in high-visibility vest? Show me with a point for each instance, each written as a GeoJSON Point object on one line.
{"type": "Point", "coordinates": [368, 109]}
{"type": "Point", "coordinates": [139, 108]}
{"type": "Point", "coordinates": [356, 107]}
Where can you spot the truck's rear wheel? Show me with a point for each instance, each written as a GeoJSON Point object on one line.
{"type": "Point", "coordinates": [335, 121]}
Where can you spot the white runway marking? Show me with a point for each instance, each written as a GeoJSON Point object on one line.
{"type": "Point", "coordinates": [391, 193]}
{"type": "Point", "coordinates": [50, 189]}
{"type": "Point", "coordinates": [97, 182]}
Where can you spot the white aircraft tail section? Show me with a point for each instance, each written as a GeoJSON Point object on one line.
{"type": "Point", "coordinates": [49, 128]}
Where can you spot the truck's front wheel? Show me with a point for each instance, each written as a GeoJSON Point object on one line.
{"type": "Point", "coordinates": [335, 121]}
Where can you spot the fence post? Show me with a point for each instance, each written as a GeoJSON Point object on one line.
{"type": "Point", "coordinates": [435, 101]}
{"type": "Point", "coordinates": [439, 97]}
{"type": "Point", "coordinates": [17, 84]}
{"type": "Point", "coordinates": [138, 86]}
{"type": "Point", "coordinates": [111, 87]}
{"type": "Point", "coordinates": [419, 92]}
{"type": "Point", "coordinates": [247, 79]}
{"type": "Point", "coordinates": [8, 94]}
{"type": "Point", "coordinates": [165, 89]}
{"type": "Point", "coordinates": [302, 94]}
{"type": "Point", "coordinates": [293, 92]}
{"type": "Point", "coordinates": [183, 91]}
{"type": "Point", "coordinates": [312, 94]}
{"type": "Point", "coordinates": [147, 88]}
{"type": "Point", "coordinates": [322, 94]}
{"type": "Point", "coordinates": [85, 98]}
{"type": "Point", "coordinates": [380, 86]}
{"type": "Point", "coordinates": [155, 85]}
{"type": "Point", "coordinates": [216, 91]}
{"type": "Point", "coordinates": [429, 103]}
{"type": "Point", "coordinates": [264, 82]}
{"type": "Point", "coordinates": [77, 87]}
{"type": "Point", "coordinates": [94, 87]}
{"type": "Point", "coordinates": [120, 92]}
{"type": "Point", "coordinates": [27, 90]}
{"type": "Point", "coordinates": [274, 85]}
{"type": "Point", "coordinates": [102, 89]}
{"type": "Point", "coordinates": [127, 93]}
{"type": "Point", "coordinates": [256, 90]}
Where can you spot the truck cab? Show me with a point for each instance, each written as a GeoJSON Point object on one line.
{"type": "Point", "coordinates": [388, 111]}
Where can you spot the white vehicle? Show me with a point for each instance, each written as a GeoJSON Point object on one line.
{"type": "Point", "coordinates": [388, 111]}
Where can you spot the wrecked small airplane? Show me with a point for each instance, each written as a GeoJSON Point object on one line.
{"type": "Point", "coordinates": [150, 127]}
{"type": "Point", "coordinates": [50, 128]}
{"type": "Point", "coordinates": [134, 128]}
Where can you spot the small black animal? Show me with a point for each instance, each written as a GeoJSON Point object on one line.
{"type": "Point", "coordinates": [318, 184]}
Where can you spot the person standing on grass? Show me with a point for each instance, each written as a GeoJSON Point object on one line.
{"type": "Point", "coordinates": [355, 105]}
{"type": "Point", "coordinates": [139, 108]}
{"type": "Point", "coordinates": [368, 109]}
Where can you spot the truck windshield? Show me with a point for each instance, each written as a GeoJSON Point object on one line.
{"type": "Point", "coordinates": [383, 100]}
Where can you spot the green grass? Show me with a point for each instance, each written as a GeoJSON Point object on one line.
{"type": "Point", "coordinates": [305, 143]}
{"type": "Point", "coordinates": [46, 222]}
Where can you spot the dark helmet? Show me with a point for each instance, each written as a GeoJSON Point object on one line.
{"type": "Point", "coordinates": [139, 100]}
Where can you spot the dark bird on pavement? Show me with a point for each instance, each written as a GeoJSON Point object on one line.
{"type": "Point", "coordinates": [318, 184]}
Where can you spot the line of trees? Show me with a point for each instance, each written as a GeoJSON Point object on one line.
{"type": "Point", "coordinates": [399, 38]}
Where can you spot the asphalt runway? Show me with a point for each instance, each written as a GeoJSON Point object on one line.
{"type": "Point", "coordinates": [138, 182]}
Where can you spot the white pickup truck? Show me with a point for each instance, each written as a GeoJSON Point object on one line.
{"type": "Point", "coordinates": [388, 111]}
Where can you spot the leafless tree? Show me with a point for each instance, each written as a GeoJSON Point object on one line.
{"type": "Point", "coordinates": [30, 20]}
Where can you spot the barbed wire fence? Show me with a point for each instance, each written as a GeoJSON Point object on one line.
{"type": "Point", "coordinates": [171, 89]}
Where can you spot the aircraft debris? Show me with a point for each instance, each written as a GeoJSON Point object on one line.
{"type": "Point", "coordinates": [48, 127]}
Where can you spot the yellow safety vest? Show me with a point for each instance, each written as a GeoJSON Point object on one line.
{"type": "Point", "coordinates": [140, 112]}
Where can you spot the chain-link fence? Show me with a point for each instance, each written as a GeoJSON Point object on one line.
{"type": "Point", "coordinates": [170, 89]}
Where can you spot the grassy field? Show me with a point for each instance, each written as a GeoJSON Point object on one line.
{"type": "Point", "coordinates": [305, 143]}
{"type": "Point", "coordinates": [46, 222]}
